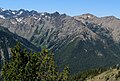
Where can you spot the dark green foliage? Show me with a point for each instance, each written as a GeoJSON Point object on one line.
{"type": "Point", "coordinates": [25, 66]}
{"type": "Point", "coordinates": [84, 55]}
{"type": "Point", "coordinates": [8, 40]}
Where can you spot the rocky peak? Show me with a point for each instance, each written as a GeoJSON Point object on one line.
{"type": "Point", "coordinates": [56, 13]}
{"type": "Point", "coordinates": [87, 16]}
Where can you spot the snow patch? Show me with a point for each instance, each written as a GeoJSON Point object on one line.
{"type": "Point", "coordinates": [3, 9]}
{"type": "Point", "coordinates": [20, 13]}
{"type": "Point", "coordinates": [13, 12]}
{"type": "Point", "coordinates": [19, 19]}
{"type": "Point", "coordinates": [89, 16]}
{"type": "Point", "coordinates": [1, 16]}
{"type": "Point", "coordinates": [13, 22]}
{"type": "Point", "coordinates": [35, 17]}
{"type": "Point", "coordinates": [42, 14]}
{"type": "Point", "coordinates": [39, 19]}
{"type": "Point", "coordinates": [46, 16]}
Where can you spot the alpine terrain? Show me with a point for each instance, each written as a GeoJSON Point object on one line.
{"type": "Point", "coordinates": [81, 42]}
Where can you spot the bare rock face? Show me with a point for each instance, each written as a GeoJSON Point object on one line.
{"type": "Point", "coordinates": [84, 41]}
{"type": "Point", "coordinates": [110, 22]}
{"type": "Point", "coordinates": [44, 29]}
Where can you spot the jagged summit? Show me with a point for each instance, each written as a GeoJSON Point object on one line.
{"type": "Point", "coordinates": [2, 9]}
{"type": "Point", "coordinates": [7, 13]}
{"type": "Point", "coordinates": [22, 12]}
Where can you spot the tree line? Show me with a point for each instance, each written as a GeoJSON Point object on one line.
{"type": "Point", "coordinates": [32, 66]}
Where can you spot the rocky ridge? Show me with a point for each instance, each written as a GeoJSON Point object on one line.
{"type": "Point", "coordinates": [82, 42]}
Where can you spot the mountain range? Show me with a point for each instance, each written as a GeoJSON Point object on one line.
{"type": "Point", "coordinates": [82, 42]}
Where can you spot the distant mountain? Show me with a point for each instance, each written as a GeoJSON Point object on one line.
{"type": "Point", "coordinates": [8, 40]}
{"type": "Point", "coordinates": [111, 23]}
{"type": "Point", "coordinates": [82, 42]}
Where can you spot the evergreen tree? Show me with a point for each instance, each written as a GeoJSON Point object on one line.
{"type": "Point", "coordinates": [26, 66]}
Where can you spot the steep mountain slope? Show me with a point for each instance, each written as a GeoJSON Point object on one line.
{"type": "Point", "coordinates": [44, 29]}
{"type": "Point", "coordinates": [88, 54]}
{"type": "Point", "coordinates": [110, 75]}
{"type": "Point", "coordinates": [8, 40]}
{"type": "Point", "coordinates": [82, 42]}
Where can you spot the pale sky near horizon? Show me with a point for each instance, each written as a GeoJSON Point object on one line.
{"type": "Point", "coordinates": [70, 7]}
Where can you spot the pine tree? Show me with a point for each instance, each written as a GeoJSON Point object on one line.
{"type": "Point", "coordinates": [29, 66]}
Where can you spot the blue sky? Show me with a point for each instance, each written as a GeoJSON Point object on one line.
{"type": "Point", "coordinates": [70, 7]}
